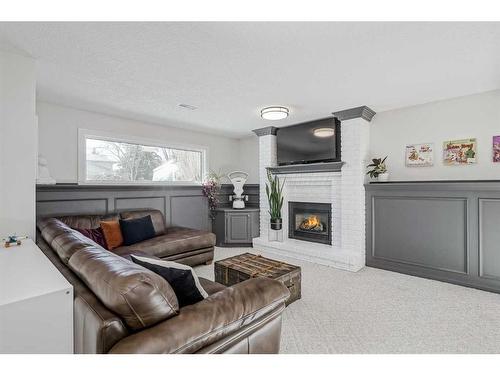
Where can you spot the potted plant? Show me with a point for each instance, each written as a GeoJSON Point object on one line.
{"type": "Point", "coordinates": [274, 191]}
{"type": "Point", "coordinates": [211, 189]}
{"type": "Point", "coordinates": [379, 169]}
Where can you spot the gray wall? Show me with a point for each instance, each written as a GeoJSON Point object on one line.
{"type": "Point", "coordinates": [447, 231]}
{"type": "Point", "coordinates": [181, 205]}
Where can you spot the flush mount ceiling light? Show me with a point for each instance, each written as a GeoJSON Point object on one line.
{"type": "Point", "coordinates": [324, 132]}
{"type": "Point", "coordinates": [274, 113]}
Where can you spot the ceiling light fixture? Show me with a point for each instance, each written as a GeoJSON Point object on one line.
{"type": "Point", "coordinates": [274, 113]}
{"type": "Point", "coordinates": [324, 132]}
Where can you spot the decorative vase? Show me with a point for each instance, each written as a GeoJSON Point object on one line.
{"type": "Point", "coordinates": [43, 176]}
{"type": "Point", "coordinates": [276, 224]}
{"type": "Point", "coordinates": [383, 177]}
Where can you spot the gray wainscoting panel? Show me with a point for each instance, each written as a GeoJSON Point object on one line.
{"type": "Point", "coordinates": [430, 232]}
{"type": "Point", "coordinates": [133, 203]}
{"type": "Point", "coordinates": [181, 205]}
{"type": "Point", "coordinates": [489, 238]}
{"type": "Point", "coordinates": [446, 230]}
{"type": "Point", "coordinates": [69, 206]}
{"type": "Point", "coordinates": [189, 211]}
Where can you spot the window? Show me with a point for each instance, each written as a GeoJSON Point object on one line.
{"type": "Point", "coordinates": [105, 159]}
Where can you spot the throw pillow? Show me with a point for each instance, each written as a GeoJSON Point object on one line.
{"type": "Point", "coordinates": [137, 230]}
{"type": "Point", "coordinates": [95, 235]}
{"type": "Point", "coordinates": [112, 234]}
{"type": "Point", "coordinates": [181, 278]}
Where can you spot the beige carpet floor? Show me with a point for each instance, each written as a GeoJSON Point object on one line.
{"type": "Point", "coordinates": [376, 311]}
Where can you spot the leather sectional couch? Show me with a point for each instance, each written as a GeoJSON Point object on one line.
{"type": "Point", "coordinates": [121, 307]}
{"type": "Point", "coordinates": [191, 246]}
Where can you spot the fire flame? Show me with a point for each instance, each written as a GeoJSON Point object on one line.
{"type": "Point", "coordinates": [311, 222]}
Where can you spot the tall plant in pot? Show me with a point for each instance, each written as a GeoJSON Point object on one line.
{"type": "Point", "coordinates": [378, 169]}
{"type": "Point", "coordinates": [274, 191]}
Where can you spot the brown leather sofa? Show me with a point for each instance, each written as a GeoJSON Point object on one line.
{"type": "Point", "coordinates": [191, 246]}
{"type": "Point", "coordinates": [121, 307]}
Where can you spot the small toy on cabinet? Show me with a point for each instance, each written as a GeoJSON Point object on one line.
{"type": "Point", "coordinates": [13, 240]}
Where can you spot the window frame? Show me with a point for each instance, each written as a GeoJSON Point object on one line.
{"type": "Point", "coordinates": [84, 134]}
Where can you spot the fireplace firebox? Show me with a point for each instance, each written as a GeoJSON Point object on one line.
{"type": "Point", "coordinates": [310, 222]}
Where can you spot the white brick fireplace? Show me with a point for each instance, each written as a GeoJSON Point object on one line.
{"type": "Point", "coordinates": [342, 188]}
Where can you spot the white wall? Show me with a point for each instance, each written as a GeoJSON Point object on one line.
{"type": "Point", "coordinates": [474, 116]}
{"type": "Point", "coordinates": [249, 157]}
{"type": "Point", "coordinates": [465, 117]}
{"type": "Point", "coordinates": [58, 139]}
{"type": "Point", "coordinates": [18, 145]}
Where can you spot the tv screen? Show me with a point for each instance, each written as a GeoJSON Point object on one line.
{"type": "Point", "coordinates": [309, 142]}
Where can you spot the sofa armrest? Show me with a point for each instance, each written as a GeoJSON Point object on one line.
{"type": "Point", "coordinates": [210, 320]}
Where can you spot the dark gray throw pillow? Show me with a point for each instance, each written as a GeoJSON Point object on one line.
{"type": "Point", "coordinates": [137, 230]}
{"type": "Point", "coordinates": [181, 278]}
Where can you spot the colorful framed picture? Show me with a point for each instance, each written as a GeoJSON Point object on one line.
{"type": "Point", "coordinates": [460, 152]}
{"type": "Point", "coordinates": [496, 149]}
{"type": "Point", "coordinates": [420, 155]}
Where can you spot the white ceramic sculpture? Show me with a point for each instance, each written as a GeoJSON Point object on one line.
{"type": "Point", "coordinates": [43, 175]}
{"type": "Point", "coordinates": [238, 180]}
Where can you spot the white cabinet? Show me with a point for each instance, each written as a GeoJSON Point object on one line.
{"type": "Point", "coordinates": [36, 303]}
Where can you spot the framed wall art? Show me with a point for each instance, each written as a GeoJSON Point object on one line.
{"type": "Point", "coordinates": [460, 152]}
{"type": "Point", "coordinates": [419, 155]}
{"type": "Point", "coordinates": [496, 149]}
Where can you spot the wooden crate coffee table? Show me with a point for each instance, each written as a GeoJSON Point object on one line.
{"type": "Point", "coordinates": [242, 267]}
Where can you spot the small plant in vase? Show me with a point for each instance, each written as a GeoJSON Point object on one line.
{"type": "Point", "coordinates": [378, 169]}
{"type": "Point", "coordinates": [211, 189]}
{"type": "Point", "coordinates": [274, 191]}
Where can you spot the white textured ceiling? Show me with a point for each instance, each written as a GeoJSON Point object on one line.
{"type": "Point", "coordinates": [231, 70]}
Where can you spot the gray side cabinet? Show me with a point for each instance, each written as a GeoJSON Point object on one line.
{"type": "Point", "coordinates": [236, 227]}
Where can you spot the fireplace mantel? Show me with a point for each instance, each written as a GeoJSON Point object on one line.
{"type": "Point", "coordinates": [335, 166]}
{"type": "Point", "coordinates": [341, 184]}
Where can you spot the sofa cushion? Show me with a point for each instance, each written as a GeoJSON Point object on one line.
{"type": "Point", "coordinates": [137, 230]}
{"type": "Point", "coordinates": [211, 287]}
{"type": "Point", "coordinates": [156, 217]}
{"type": "Point", "coordinates": [67, 244]}
{"type": "Point", "coordinates": [112, 234]}
{"type": "Point", "coordinates": [86, 221]}
{"type": "Point", "coordinates": [141, 297]}
{"type": "Point", "coordinates": [95, 234]}
{"type": "Point", "coordinates": [50, 228]}
{"type": "Point", "coordinates": [180, 277]}
{"type": "Point", "coordinates": [233, 309]}
{"type": "Point", "coordinates": [177, 240]}
{"type": "Point", "coordinates": [62, 239]}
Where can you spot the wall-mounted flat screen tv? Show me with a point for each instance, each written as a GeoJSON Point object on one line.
{"type": "Point", "coordinates": [309, 142]}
